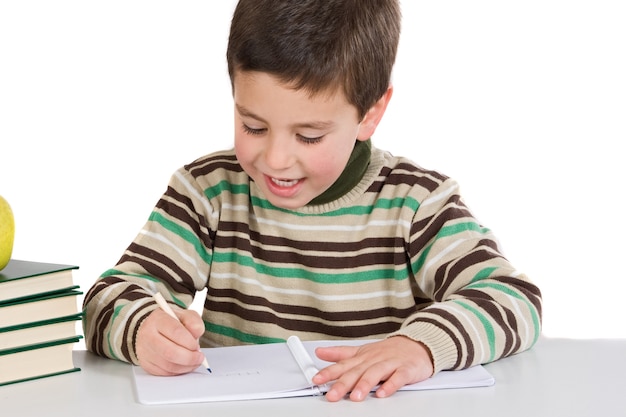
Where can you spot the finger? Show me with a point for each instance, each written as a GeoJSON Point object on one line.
{"type": "Point", "coordinates": [403, 376]}
{"type": "Point", "coordinates": [399, 378]}
{"type": "Point", "coordinates": [192, 322]}
{"type": "Point", "coordinates": [339, 354]}
{"type": "Point", "coordinates": [158, 346]}
{"type": "Point", "coordinates": [159, 367]}
{"type": "Point", "coordinates": [177, 357]}
{"type": "Point", "coordinates": [176, 331]}
{"type": "Point", "coordinates": [383, 374]}
{"type": "Point", "coordinates": [357, 381]}
{"type": "Point", "coordinates": [333, 372]}
{"type": "Point", "coordinates": [153, 368]}
{"type": "Point", "coordinates": [336, 353]}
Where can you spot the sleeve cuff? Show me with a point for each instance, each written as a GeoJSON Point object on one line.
{"type": "Point", "coordinates": [442, 348]}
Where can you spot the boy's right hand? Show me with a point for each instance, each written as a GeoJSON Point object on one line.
{"type": "Point", "coordinates": [165, 346]}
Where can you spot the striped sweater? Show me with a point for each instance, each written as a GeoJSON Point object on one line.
{"type": "Point", "coordinates": [399, 254]}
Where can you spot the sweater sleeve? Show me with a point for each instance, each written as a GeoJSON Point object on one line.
{"type": "Point", "coordinates": [482, 308]}
{"type": "Point", "coordinates": [171, 254]}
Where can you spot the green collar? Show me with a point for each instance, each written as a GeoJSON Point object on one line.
{"type": "Point", "coordinates": [351, 175]}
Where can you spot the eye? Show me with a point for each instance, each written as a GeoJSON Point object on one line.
{"type": "Point", "coordinates": [251, 131]}
{"type": "Point", "coordinates": [308, 140]}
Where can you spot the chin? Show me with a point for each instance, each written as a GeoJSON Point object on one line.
{"type": "Point", "coordinates": [287, 205]}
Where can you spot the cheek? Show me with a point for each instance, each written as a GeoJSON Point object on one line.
{"type": "Point", "coordinates": [243, 149]}
{"type": "Point", "coordinates": [326, 166]}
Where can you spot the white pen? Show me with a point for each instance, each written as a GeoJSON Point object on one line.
{"type": "Point", "coordinates": [166, 307]}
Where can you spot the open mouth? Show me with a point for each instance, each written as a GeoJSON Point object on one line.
{"type": "Point", "coordinates": [284, 187]}
{"type": "Point", "coordinates": [283, 182]}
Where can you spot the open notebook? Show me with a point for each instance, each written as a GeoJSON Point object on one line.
{"type": "Point", "coordinates": [274, 370]}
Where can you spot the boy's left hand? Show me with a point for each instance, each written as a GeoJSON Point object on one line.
{"type": "Point", "coordinates": [397, 361]}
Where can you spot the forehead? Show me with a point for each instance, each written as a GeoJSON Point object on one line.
{"type": "Point", "coordinates": [326, 93]}
{"type": "Point", "coordinates": [262, 93]}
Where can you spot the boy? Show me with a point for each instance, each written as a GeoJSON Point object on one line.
{"type": "Point", "coordinates": [305, 228]}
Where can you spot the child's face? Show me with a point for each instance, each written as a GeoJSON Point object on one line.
{"type": "Point", "coordinates": [292, 145]}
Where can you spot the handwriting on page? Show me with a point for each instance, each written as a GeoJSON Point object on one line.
{"type": "Point", "coordinates": [237, 373]}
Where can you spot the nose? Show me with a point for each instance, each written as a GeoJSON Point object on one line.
{"type": "Point", "coordinates": [278, 153]}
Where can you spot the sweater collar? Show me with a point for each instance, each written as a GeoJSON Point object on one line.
{"type": "Point", "coordinates": [351, 175]}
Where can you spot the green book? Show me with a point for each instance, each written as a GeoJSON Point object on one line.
{"type": "Point", "coordinates": [38, 331]}
{"type": "Point", "coordinates": [44, 307]}
{"type": "Point", "coordinates": [23, 279]}
{"type": "Point", "coordinates": [37, 361]}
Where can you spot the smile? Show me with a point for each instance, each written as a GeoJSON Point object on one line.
{"type": "Point", "coordinates": [283, 182]}
{"type": "Point", "coordinates": [282, 187]}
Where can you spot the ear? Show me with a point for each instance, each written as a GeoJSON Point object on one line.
{"type": "Point", "coordinates": [374, 115]}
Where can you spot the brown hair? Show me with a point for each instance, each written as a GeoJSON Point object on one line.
{"type": "Point", "coordinates": [318, 45]}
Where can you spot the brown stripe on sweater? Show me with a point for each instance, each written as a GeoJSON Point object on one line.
{"type": "Point", "coordinates": [199, 225]}
{"type": "Point", "coordinates": [221, 297]}
{"type": "Point", "coordinates": [140, 314]}
{"type": "Point", "coordinates": [154, 264]}
{"type": "Point", "coordinates": [349, 328]}
{"type": "Point", "coordinates": [409, 181]}
{"type": "Point", "coordinates": [315, 258]}
{"type": "Point", "coordinates": [99, 323]}
{"type": "Point", "coordinates": [98, 327]}
{"type": "Point", "coordinates": [427, 229]}
{"type": "Point", "coordinates": [530, 291]}
{"type": "Point", "coordinates": [212, 158]}
{"type": "Point", "coordinates": [457, 343]}
{"type": "Point", "coordinates": [410, 167]}
{"type": "Point", "coordinates": [207, 166]}
{"type": "Point", "coordinates": [447, 275]}
{"type": "Point", "coordinates": [308, 242]}
{"type": "Point", "coordinates": [430, 181]}
{"type": "Point", "coordinates": [489, 306]}
{"type": "Point", "coordinates": [466, 338]}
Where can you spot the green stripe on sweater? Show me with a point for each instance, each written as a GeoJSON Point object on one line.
{"type": "Point", "coordinates": [239, 335]}
{"type": "Point", "coordinates": [507, 290]}
{"type": "Point", "coordinates": [487, 326]}
{"type": "Point", "coordinates": [182, 232]}
{"type": "Point", "coordinates": [445, 232]}
{"type": "Point", "coordinates": [225, 185]}
{"type": "Point", "coordinates": [336, 278]}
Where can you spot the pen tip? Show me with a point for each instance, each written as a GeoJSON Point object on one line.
{"type": "Point", "coordinates": [209, 369]}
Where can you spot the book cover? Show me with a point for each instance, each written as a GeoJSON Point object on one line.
{"type": "Point", "coordinates": [37, 361]}
{"type": "Point", "coordinates": [21, 279]}
{"type": "Point", "coordinates": [44, 307]}
{"type": "Point", "coordinates": [38, 331]}
{"type": "Point", "coordinates": [276, 370]}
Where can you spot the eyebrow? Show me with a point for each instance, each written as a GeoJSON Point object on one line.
{"type": "Point", "coordinates": [316, 124]}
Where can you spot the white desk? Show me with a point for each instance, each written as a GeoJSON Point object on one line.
{"type": "Point", "coordinates": [558, 377]}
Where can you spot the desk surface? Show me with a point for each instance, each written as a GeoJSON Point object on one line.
{"type": "Point", "coordinates": [558, 377]}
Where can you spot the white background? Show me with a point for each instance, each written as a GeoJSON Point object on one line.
{"type": "Point", "coordinates": [524, 103]}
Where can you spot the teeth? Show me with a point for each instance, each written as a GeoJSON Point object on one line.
{"type": "Point", "coordinates": [284, 183]}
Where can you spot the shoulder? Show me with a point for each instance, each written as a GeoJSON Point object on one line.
{"type": "Point", "coordinates": [402, 173]}
{"type": "Point", "coordinates": [217, 168]}
{"type": "Point", "coordinates": [216, 163]}
{"type": "Point", "coordinates": [211, 175]}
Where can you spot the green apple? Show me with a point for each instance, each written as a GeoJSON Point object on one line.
{"type": "Point", "coordinates": [7, 232]}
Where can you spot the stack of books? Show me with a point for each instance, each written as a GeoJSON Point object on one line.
{"type": "Point", "coordinates": [38, 320]}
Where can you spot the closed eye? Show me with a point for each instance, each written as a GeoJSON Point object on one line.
{"type": "Point", "coordinates": [251, 131]}
{"type": "Point", "coordinates": [308, 140]}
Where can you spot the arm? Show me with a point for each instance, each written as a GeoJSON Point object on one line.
{"type": "Point", "coordinates": [482, 309]}
{"type": "Point", "coordinates": [171, 254]}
